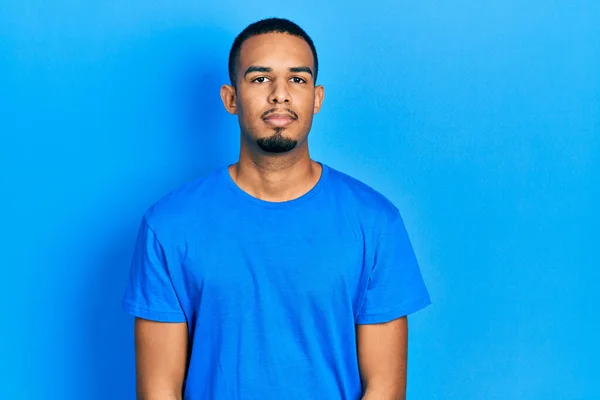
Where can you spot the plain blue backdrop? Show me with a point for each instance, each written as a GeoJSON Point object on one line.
{"type": "Point", "coordinates": [480, 120]}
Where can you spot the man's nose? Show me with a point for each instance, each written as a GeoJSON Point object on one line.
{"type": "Point", "coordinates": [280, 93]}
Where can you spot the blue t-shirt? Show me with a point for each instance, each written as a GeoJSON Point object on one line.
{"type": "Point", "coordinates": [272, 291]}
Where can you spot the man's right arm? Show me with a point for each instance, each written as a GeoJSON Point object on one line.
{"type": "Point", "coordinates": [161, 359]}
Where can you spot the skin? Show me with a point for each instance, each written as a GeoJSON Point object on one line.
{"type": "Point", "coordinates": [161, 359]}
{"type": "Point", "coordinates": [382, 357]}
{"type": "Point", "coordinates": [274, 79]}
{"type": "Point", "coordinates": [267, 81]}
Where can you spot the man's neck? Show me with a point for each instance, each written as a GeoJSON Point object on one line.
{"type": "Point", "coordinates": [276, 179]}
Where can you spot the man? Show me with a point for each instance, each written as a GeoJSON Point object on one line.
{"type": "Point", "coordinates": [276, 277]}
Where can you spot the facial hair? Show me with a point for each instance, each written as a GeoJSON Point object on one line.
{"type": "Point", "coordinates": [276, 143]}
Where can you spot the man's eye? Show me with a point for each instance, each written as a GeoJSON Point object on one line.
{"type": "Point", "coordinates": [298, 80]}
{"type": "Point", "coordinates": [260, 79]}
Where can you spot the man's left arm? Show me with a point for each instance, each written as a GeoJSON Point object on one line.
{"type": "Point", "coordinates": [382, 354]}
{"type": "Point", "coordinates": [395, 289]}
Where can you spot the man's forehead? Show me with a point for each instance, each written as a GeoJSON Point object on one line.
{"type": "Point", "coordinates": [275, 47]}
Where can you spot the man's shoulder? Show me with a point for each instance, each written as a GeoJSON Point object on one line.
{"type": "Point", "coordinates": [359, 194]}
{"type": "Point", "coordinates": [186, 200]}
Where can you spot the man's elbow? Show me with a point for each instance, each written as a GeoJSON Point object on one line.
{"type": "Point", "coordinates": [390, 391]}
{"type": "Point", "coordinates": [163, 395]}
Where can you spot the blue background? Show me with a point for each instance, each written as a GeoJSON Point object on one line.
{"type": "Point", "coordinates": [479, 119]}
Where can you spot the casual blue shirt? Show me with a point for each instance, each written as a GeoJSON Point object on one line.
{"type": "Point", "coordinates": [272, 291]}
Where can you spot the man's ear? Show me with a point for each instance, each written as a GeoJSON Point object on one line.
{"type": "Point", "coordinates": [319, 95]}
{"type": "Point", "coordinates": [229, 98]}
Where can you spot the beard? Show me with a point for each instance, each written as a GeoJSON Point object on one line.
{"type": "Point", "coordinates": [276, 143]}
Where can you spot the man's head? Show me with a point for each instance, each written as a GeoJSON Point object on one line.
{"type": "Point", "coordinates": [273, 69]}
{"type": "Point", "coordinates": [269, 25]}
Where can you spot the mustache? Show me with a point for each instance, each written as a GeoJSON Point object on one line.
{"type": "Point", "coordinates": [276, 110]}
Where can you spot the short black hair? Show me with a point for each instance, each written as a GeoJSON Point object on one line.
{"type": "Point", "coordinates": [269, 25]}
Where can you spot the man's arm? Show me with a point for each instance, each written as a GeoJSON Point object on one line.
{"type": "Point", "coordinates": [161, 359]}
{"type": "Point", "coordinates": [382, 353]}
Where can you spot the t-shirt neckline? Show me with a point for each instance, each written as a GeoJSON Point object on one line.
{"type": "Point", "coordinates": [273, 204]}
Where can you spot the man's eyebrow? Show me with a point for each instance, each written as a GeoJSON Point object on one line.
{"type": "Point", "coordinates": [256, 68]}
{"type": "Point", "coordinates": [302, 69]}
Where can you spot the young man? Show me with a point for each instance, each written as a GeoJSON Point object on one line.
{"type": "Point", "coordinates": [276, 277]}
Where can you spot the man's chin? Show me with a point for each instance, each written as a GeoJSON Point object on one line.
{"type": "Point", "coordinates": [275, 149]}
{"type": "Point", "coordinates": [276, 144]}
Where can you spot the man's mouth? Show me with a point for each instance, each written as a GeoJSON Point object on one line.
{"type": "Point", "coordinates": [279, 120]}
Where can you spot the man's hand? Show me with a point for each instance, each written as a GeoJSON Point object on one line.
{"type": "Point", "coordinates": [382, 354]}
{"type": "Point", "coordinates": [161, 359]}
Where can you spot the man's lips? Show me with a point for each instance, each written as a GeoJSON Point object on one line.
{"type": "Point", "coordinates": [279, 120]}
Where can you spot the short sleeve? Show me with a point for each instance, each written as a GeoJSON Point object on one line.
{"type": "Point", "coordinates": [149, 293]}
{"type": "Point", "coordinates": [396, 287]}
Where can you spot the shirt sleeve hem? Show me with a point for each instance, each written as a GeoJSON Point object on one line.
{"type": "Point", "coordinates": [395, 313]}
{"type": "Point", "coordinates": [152, 315]}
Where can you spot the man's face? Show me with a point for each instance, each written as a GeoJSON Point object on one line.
{"type": "Point", "coordinates": [276, 97]}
